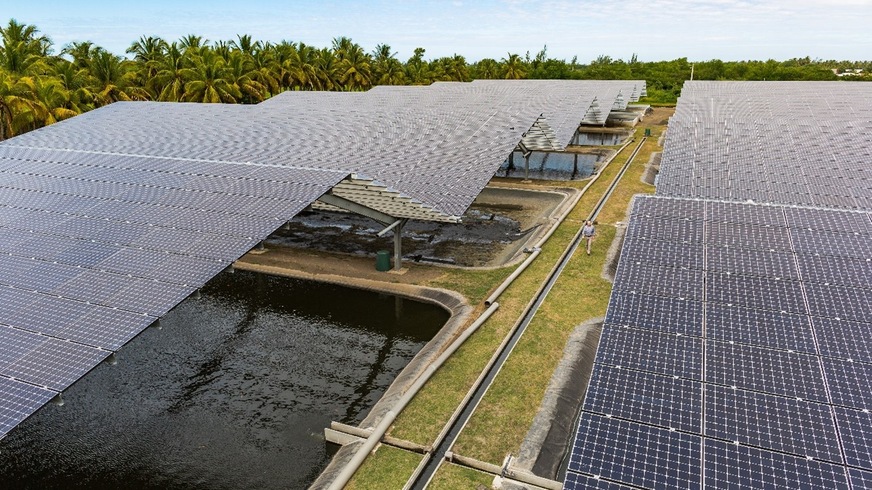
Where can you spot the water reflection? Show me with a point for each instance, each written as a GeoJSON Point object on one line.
{"type": "Point", "coordinates": [233, 391]}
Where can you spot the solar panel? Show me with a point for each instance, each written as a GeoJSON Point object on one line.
{"type": "Point", "coordinates": [663, 314]}
{"type": "Point", "coordinates": [729, 465]}
{"type": "Point", "coordinates": [665, 401]}
{"type": "Point", "coordinates": [636, 454]}
{"type": "Point", "coordinates": [778, 423]}
{"type": "Point", "coordinates": [767, 370]}
{"type": "Point", "coordinates": [674, 355]}
{"type": "Point", "coordinates": [855, 436]}
{"type": "Point", "coordinates": [849, 382]}
{"type": "Point", "coordinates": [765, 328]}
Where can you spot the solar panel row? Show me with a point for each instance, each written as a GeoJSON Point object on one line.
{"type": "Point", "coordinates": [738, 355]}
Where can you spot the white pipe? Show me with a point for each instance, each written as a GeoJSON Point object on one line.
{"type": "Point", "coordinates": [379, 431]}
{"type": "Point", "coordinates": [509, 280]}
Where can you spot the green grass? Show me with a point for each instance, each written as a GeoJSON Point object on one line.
{"type": "Point", "coordinates": [389, 467]}
{"type": "Point", "coordinates": [454, 477]}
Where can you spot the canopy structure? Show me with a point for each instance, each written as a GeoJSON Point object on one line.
{"type": "Point", "coordinates": [112, 218]}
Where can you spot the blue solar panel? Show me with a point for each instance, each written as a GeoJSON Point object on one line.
{"type": "Point", "coordinates": [661, 281]}
{"type": "Point", "coordinates": [755, 292]}
{"type": "Point", "coordinates": [767, 370]}
{"type": "Point", "coordinates": [773, 422]}
{"type": "Point", "coordinates": [844, 339]}
{"type": "Point", "coordinates": [665, 401]}
{"type": "Point", "coordinates": [663, 314]}
{"type": "Point", "coordinates": [856, 437]}
{"type": "Point", "coordinates": [850, 383]}
{"type": "Point", "coordinates": [742, 235]}
{"type": "Point", "coordinates": [861, 480]}
{"type": "Point", "coordinates": [673, 355]}
{"type": "Point", "coordinates": [636, 454]}
{"type": "Point", "coordinates": [728, 465]}
{"type": "Point", "coordinates": [646, 253]}
{"type": "Point", "coordinates": [20, 400]}
{"type": "Point", "coordinates": [750, 262]}
{"type": "Point", "coordinates": [839, 302]}
{"type": "Point", "coordinates": [659, 229]}
{"type": "Point", "coordinates": [574, 481]}
{"type": "Point", "coordinates": [766, 328]}
{"type": "Point", "coordinates": [833, 269]}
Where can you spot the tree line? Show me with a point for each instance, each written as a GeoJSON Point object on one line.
{"type": "Point", "coordinates": [39, 87]}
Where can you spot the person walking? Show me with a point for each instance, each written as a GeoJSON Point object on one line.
{"type": "Point", "coordinates": [587, 233]}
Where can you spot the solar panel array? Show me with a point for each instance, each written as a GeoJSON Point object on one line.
{"type": "Point", "coordinates": [737, 347]}
{"type": "Point", "coordinates": [780, 142]}
{"type": "Point", "coordinates": [734, 362]}
{"type": "Point", "coordinates": [111, 218]}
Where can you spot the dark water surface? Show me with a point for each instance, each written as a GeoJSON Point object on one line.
{"type": "Point", "coordinates": [233, 391]}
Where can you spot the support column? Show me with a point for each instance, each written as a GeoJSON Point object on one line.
{"type": "Point", "coordinates": [398, 245]}
{"type": "Point", "coordinates": [527, 166]}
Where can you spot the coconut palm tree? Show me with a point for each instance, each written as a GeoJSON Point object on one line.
{"type": "Point", "coordinates": [14, 105]}
{"type": "Point", "coordinates": [239, 74]}
{"type": "Point", "coordinates": [513, 67]}
{"type": "Point", "coordinates": [23, 51]}
{"type": "Point", "coordinates": [487, 68]}
{"type": "Point", "coordinates": [354, 69]}
{"type": "Point", "coordinates": [386, 68]}
{"type": "Point", "coordinates": [206, 82]}
{"type": "Point", "coordinates": [49, 101]}
{"type": "Point", "coordinates": [76, 82]}
{"type": "Point", "coordinates": [169, 81]}
{"type": "Point", "coordinates": [148, 53]}
{"type": "Point", "coordinates": [111, 79]}
{"type": "Point", "coordinates": [326, 70]}
{"type": "Point", "coordinates": [80, 52]}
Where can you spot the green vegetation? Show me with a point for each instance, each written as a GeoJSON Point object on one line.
{"type": "Point", "coordinates": [389, 467]}
{"type": "Point", "coordinates": [38, 87]}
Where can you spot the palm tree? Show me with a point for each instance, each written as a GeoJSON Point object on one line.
{"type": "Point", "coordinates": [326, 70]}
{"type": "Point", "coordinates": [111, 80]}
{"type": "Point", "coordinates": [192, 42]}
{"type": "Point", "coordinates": [23, 51]}
{"type": "Point", "coordinates": [513, 67]}
{"type": "Point", "coordinates": [302, 67]}
{"type": "Point", "coordinates": [238, 74]}
{"type": "Point", "coordinates": [49, 101]}
{"type": "Point", "coordinates": [76, 82]}
{"type": "Point", "coordinates": [417, 70]}
{"type": "Point", "coordinates": [487, 68]}
{"type": "Point", "coordinates": [14, 105]}
{"type": "Point", "coordinates": [169, 81]}
{"type": "Point", "coordinates": [80, 52]}
{"type": "Point", "coordinates": [206, 82]}
{"type": "Point", "coordinates": [354, 69]}
{"type": "Point", "coordinates": [387, 69]}
{"type": "Point", "coordinates": [264, 69]}
{"type": "Point", "coordinates": [148, 53]}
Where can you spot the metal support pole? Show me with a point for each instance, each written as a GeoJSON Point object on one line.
{"type": "Point", "coordinates": [398, 245]}
{"type": "Point", "coordinates": [527, 166]}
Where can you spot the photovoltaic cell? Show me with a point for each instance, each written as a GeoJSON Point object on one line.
{"type": "Point", "coordinates": [839, 302]}
{"type": "Point", "coordinates": [844, 339]}
{"type": "Point", "coordinates": [767, 370]}
{"type": "Point", "coordinates": [574, 481]}
{"type": "Point", "coordinates": [728, 465]}
{"type": "Point", "coordinates": [856, 437]}
{"type": "Point", "coordinates": [636, 454]}
{"type": "Point", "coordinates": [750, 262]}
{"type": "Point", "coordinates": [755, 292]}
{"type": "Point", "coordinates": [666, 401]}
{"type": "Point", "coordinates": [663, 314]}
{"type": "Point", "coordinates": [20, 400]}
{"type": "Point", "coordinates": [861, 480]}
{"type": "Point", "coordinates": [850, 383]}
{"type": "Point", "coordinates": [765, 328]}
{"type": "Point", "coordinates": [774, 422]}
{"type": "Point", "coordinates": [673, 355]}
{"type": "Point", "coordinates": [834, 269]}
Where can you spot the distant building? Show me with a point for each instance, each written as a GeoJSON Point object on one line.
{"type": "Point", "coordinates": [848, 72]}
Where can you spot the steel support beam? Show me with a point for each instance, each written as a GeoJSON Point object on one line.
{"type": "Point", "coordinates": [398, 244]}
{"type": "Point", "coordinates": [342, 203]}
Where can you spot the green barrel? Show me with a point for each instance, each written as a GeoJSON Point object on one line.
{"type": "Point", "coordinates": [647, 131]}
{"type": "Point", "coordinates": [383, 261]}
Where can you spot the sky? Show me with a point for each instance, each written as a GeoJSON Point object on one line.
{"type": "Point", "coordinates": [653, 30]}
